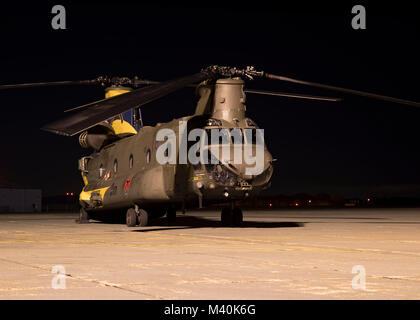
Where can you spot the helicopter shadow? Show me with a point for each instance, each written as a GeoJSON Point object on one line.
{"type": "Point", "coordinates": [191, 222]}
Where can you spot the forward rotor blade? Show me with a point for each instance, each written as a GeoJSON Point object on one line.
{"type": "Point", "coordinates": [345, 90]}
{"type": "Point", "coordinates": [102, 110]}
{"type": "Point", "coordinates": [47, 84]}
{"type": "Point", "coordinates": [292, 95]}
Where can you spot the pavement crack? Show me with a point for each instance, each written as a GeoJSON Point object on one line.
{"type": "Point", "coordinates": [100, 282]}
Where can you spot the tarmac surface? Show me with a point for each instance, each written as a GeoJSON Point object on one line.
{"type": "Point", "coordinates": [285, 254]}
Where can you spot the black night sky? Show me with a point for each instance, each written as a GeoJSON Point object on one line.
{"type": "Point", "coordinates": [354, 147]}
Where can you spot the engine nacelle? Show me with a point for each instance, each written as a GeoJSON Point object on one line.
{"type": "Point", "coordinates": [92, 140]}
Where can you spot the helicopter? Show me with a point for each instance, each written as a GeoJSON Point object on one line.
{"type": "Point", "coordinates": [147, 172]}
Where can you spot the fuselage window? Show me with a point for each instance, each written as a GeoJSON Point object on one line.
{"type": "Point", "coordinates": [131, 161]}
{"type": "Point", "coordinates": [251, 136]}
{"type": "Point", "coordinates": [168, 150]}
{"type": "Point", "coordinates": [115, 166]}
{"type": "Point", "coordinates": [148, 156]}
{"type": "Point", "coordinates": [221, 136]}
{"type": "Point", "coordinates": [101, 170]}
{"type": "Point", "coordinates": [236, 136]}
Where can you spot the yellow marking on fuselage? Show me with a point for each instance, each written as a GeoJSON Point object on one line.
{"type": "Point", "coordinates": [85, 195]}
{"type": "Point", "coordinates": [85, 180]}
{"type": "Point", "coordinates": [112, 92]}
{"type": "Point", "coordinates": [122, 127]}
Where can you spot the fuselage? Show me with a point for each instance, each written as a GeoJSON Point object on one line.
{"type": "Point", "coordinates": [128, 170]}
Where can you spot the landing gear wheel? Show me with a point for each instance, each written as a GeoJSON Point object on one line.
{"type": "Point", "coordinates": [83, 216]}
{"type": "Point", "coordinates": [226, 217]}
{"type": "Point", "coordinates": [171, 215]}
{"type": "Point", "coordinates": [237, 217]}
{"type": "Point", "coordinates": [143, 217]}
{"type": "Point", "coordinates": [131, 217]}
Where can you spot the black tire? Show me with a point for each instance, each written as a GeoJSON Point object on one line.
{"type": "Point", "coordinates": [237, 217]}
{"type": "Point", "coordinates": [226, 217]}
{"type": "Point", "coordinates": [83, 216]}
{"type": "Point", "coordinates": [171, 215]}
{"type": "Point", "coordinates": [142, 217]}
{"type": "Point", "coordinates": [131, 218]}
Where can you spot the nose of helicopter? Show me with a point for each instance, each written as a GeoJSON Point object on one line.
{"type": "Point", "coordinates": [248, 170]}
{"type": "Point", "coordinates": [255, 167]}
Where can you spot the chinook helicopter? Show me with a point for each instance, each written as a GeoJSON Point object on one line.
{"type": "Point", "coordinates": [123, 173]}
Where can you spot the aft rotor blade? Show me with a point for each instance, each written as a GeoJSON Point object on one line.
{"type": "Point", "coordinates": [47, 84]}
{"type": "Point", "coordinates": [292, 95]}
{"type": "Point", "coordinates": [345, 90]}
{"type": "Point", "coordinates": [103, 110]}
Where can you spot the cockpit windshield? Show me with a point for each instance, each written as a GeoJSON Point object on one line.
{"type": "Point", "coordinates": [234, 136]}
